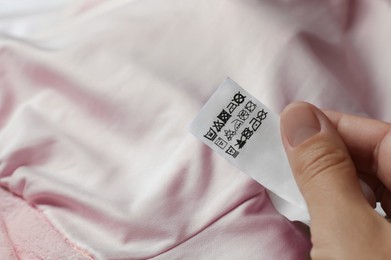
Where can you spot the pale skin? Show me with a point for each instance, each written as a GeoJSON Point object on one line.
{"type": "Point", "coordinates": [329, 152]}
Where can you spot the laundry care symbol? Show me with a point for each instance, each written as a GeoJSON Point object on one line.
{"type": "Point", "coordinates": [261, 115]}
{"type": "Point", "coordinates": [224, 116]}
{"type": "Point", "coordinates": [248, 109]}
{"type": "Point", "coordinates": [231, 107]}
{"type": "Point", "coordinates": [239, 98]}
{"type": "Point", "coordinates": [218, 125]}
{"type": "Point", "coordinates": [237, 124]}
{"type": "Point", "coordinates": [222, 119]}
{"type": "Point", "coordinates": [229, 134]}
{"type": "Point", "coordinates": [221, 143]}
{"type": "Point", "coordinates": [235, 102]}
{"type": "Point", "coordinates": [211, 134]}
{"type": "Point", "coordinates": [243, 115]}
{"type": "Point", "coordinates": [232, 151]}
{"type": "Point", "coordinates": [256, 122]}
{"type": "Point", "coordinates": [250, 106]}
{"type": "Point", "coordinates": [245, 135]}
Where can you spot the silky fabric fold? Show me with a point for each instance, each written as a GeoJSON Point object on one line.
{"type": "Point", "coordinates": [96, 96]}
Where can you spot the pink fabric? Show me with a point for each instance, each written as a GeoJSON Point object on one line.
{"type": "Point", "coordinates": [96, 96]}
{"type": "Point", "coordinates": [25, 233]}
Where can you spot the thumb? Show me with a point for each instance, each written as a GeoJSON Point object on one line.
{"type": "Point", "coordinates": [320, 163]}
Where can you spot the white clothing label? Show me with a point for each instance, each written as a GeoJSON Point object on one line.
{"type": "Point", "coordinates": [246, 133]}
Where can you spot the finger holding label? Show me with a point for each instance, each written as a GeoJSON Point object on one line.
{"type": "Point", "coordinates": [342, 221]}
{"type": "Point", "coordinates": [369, 143]}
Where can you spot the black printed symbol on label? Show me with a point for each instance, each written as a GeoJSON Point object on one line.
{"type": "Point", "coordinates": [218, 125]}
{"type": "Point", "coordinates": [224, 116]}
{"type": "Point", "coordinates": [241, 142]}
{"type": "Point", "coordinates": [231, 107]}
{"type": "Point", "coordinates": [238, 98]}
{"type": "Point", "coordinates": [229, 134]}
{"type": "Point", "coordinates": [261, 115]}
{"type": "Point", "coordinates": [221, 143]}
{"type": "Point", "coordinates": [245, 135]}
{"type": "Point", "coordinates": [255, 123]}
{"type": "Point", "coordinates": [231, 151]}
{"type": "Point", "coordinates": [243, 115]}
{"type": "Point", "coordinates": [250, 106]}
{"type": "Point", "coordinates": [237, 124]}
{"type": "Point", "coordinates": [211, 134]}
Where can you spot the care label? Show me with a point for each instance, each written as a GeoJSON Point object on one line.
{"type": "Point", "coordinates": [246, 133]}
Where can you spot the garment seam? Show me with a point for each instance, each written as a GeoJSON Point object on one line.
{"type": "Point", "coordinates": [62, 236]}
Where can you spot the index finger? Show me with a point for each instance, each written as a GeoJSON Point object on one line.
{"type": "Point", "coordinates": [368, 141]}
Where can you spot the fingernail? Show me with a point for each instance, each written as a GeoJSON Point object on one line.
{"type": "Point", "coordinates": [299, 123]}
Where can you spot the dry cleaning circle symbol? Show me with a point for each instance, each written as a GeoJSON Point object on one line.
{"type": "Point", "coordinates": [261, 115]}
{"type": "Point", "coordinates": [239, 98]}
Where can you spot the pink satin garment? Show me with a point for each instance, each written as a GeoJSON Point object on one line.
{"type": "Point", "coordinates": [95, 99]}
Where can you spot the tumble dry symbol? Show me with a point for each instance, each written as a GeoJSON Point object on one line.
{"type": "Point", "coordinates": [250, 106]}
